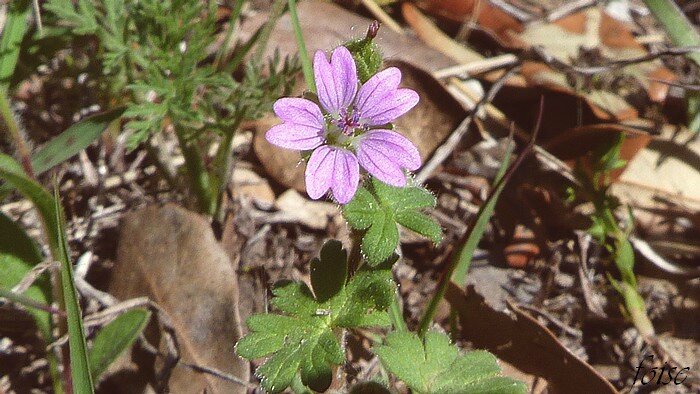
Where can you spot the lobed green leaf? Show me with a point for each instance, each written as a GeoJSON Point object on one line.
{"type": "Point", "coordinates": [434, 365]}
{"type": "Point", "coordinates": [379, 208]}
{"type": "Point", "coordinates": [303, 342]}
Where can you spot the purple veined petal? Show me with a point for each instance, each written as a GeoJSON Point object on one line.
{"type": "Point", "coordinates": [299, 111]}
{"type": "Point", "coordinates": [295, 136]}
{"type": "Point", "coordinates": [319, 172]}
{"type": "Point", "coordinates": [384, 153]}
{"type": "Point", "coordinates": [379, 100]}
{"type": "Point", "coordinates": [390, 107]}
{"type": "Point", "coordinates": [394, 145]}
{"type": "Point", "coordinates": [346, 176]}
{"type": "Point", "coordinates": [336, 81]}
{"type": "Point", "coordinates": [332, 168]}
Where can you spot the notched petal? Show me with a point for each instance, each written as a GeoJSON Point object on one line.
{"type": "Point", "coordinates": [299, 111]}
{"type": "Point", "coordinates": [319, 172]}
{"type": "Point", "coordinates": [295, 136]}
{"type": "Point", "coordinates": [336, 81]}
{"type": "Point", "coordinates": [346, 176]}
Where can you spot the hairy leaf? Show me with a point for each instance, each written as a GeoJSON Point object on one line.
{"type": "Point", "coordinates": [378, 209]}
{"type": "Point", "coordinates": [434, 365]}
{"type": "Point", "coordinates": [304, 339]}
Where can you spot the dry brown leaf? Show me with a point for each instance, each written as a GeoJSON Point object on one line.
{"type": "Point", "coordinates": [577, 144]}
{"type": "Point", "coordinates": [592, 29]}
{"type": "Point", "coordinates": [523, 342]}
{"type": "Point", "coordinates": [326, 25]}
{"type": "Point", "coordinates": [489, 17]}
{"type": "Point", "coordinates": [170, 255]}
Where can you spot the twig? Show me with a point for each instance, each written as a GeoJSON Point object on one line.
{"type": "Point", "coordinates": [538, 53]}
{"type": "Point", "coordinates": [568, 8]}
{"type": "Point", "coordinates": [478, 66]}
{"type": "Point", "coordinates": [37, 11]}
{"type": "Point", "coordinates": [32, 276]}
{"type": "Point", "coordinates": [383, 17]}
{"type": "Point", "coordinates": [445, 150]}
{"type": "Point", "coordinates": [584, 241]}
{"type": "Point", "coordinates": [515, 12]}
{"type": "Point", "coordinates": [217, 373]}
{"type": "Point", "coordinates": [650, 254]}
{"type": "Point", "coordinates": [567, 329]}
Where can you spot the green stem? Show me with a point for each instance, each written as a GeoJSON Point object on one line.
{"type": "Point", "coordinates": [303, 54]}
{"type": "Point", "coordinates": [15, 134]}
{"type": "Point", "coordinates": [679, 28]}
{"type": "Point", "coordinates": [397, 314]}
{"type": "Point", "coordinates": [200, 180]}
{"type": "Point", "coordinates": [230, 34]}
{"type": "Point", "coordinates": [682, 33]}
{"type": "Point", "coordinates": [223, 165]}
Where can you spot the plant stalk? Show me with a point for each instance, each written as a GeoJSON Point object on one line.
{"type": "Point", "coordinates": [15, 134]}
{"type": "Point", "coordinates": [199, 177]}
{"type": "Point", "coordinates": [303, 54]}
{"type": "Point", "coordinates": [223, 166]}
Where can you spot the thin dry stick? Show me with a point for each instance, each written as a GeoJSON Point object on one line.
{"type": "Point", "coordinates": [32, 276]}
{"type": "Point", "coordinates": [538, 53]}
{"type": "Point", "coordinates": [383, 17]}
{"type": "Point", "coordinates": [567, 329]}
{"type": "Point", "coordinates": [584, 240]}
{"type": "Point", "coordinates": [445, 150]}
{"type": "Point", "coordinates": [477, 67]}
{"type": "Point", "coordinates": [568, 9]}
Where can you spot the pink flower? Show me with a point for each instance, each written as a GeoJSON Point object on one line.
{"type": "Point", "coordinates": [348, 130]}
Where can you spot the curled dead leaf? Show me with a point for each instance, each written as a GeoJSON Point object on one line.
{"type": "Point", "coordinates": [170, 255]}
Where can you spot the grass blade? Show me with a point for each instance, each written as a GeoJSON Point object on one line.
{"type": "Point", "coordinates": [15, 28]}
{"type": "Point", "coordinates": [74, 139]}
{"type": "Point", "coordinates": [12, 172]}
{"type": "Point", "coordinates": [463, 259]}
{"type": "Point", "coordinates": [69, 143]}
{"type": "Point", "coordinates": [80, 366]}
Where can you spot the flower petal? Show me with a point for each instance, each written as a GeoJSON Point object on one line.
{"type": "Point", "coordinates": [295, 136]}
{"type": "Point", "coordinates": [319, 172]}
{"type": "Point", "coordinates": [332, 168]}
{"type": "Point", "coordinates": [379, 100]}
{"type": "Point", "coordinates": [384, 153]}
{"type": "Point", "coordinates": [299, 111]}
{"type": "Point", "coordinates": [336, 81]}
{"type": "Point", "coordinates": [346, 176]}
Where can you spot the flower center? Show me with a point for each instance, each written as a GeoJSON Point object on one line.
{"type": "Point", "coordinates": [348, 120]}
{"type": "Point", "coordinates": [343, 127]}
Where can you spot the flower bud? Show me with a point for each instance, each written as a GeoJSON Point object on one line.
{"type": "Point", "coordinates": [368, 58]}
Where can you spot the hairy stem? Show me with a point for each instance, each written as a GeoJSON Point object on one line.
{"type": "Point", "coordinates": [15, 134]}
